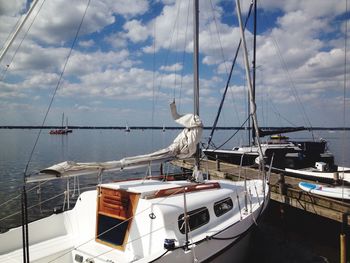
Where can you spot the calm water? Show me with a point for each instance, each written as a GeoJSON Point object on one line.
{"type": "Point", "coordinates": [288, 237]}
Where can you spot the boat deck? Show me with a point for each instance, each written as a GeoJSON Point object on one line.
{"type": "Point", "coordinates": [284, 189]}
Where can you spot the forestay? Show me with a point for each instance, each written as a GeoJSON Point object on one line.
{"type": "Point", "coordinates": [183, 146]}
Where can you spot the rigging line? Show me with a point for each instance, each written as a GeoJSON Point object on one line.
{"type": "Point", "coordinates": [292, 85]}
{"type": "Point", "coordinates": [9, 35]}
{"type": "Point", "coordinates": [170, 44]}
{"type": "Point", "coordinates": [19, 195]}
{"type": "Point", "coordinates": [224, 60]}
{"type": "Point", "coordinates": [20, 44]}
{"type": "Point", "coordinates": [176, 55]}
{"type": "Point", "coordinates": [232, 134]}
{"type": "Point", "coordinates": [43, 202]}
{"type": "Point", "coordinates": [18, 212]}
{"type": "Point", "coordinates": [4, 70]}
{"type": "Point", "coordinates": [219, 38]}
{"type": "Point", "coordinates": [56, 88]}
{"type": "Point", "coordinates": [111, 249]}
{"type": "Point", "coordinates": [153, 79]}
{"type": "Point", "coordinates": [228, 82]}
{"type": "Point", "coordinates": [183, 54]}
{"type": "Point", "coordinates": [293, 89]}
{"type": "Point", "coordinates": [279, 114]}
{"type": "Point", "coordinates": [344, 98]}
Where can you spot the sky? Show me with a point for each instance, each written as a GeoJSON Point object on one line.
{"type": "Point", "coordinates": [131, 59]}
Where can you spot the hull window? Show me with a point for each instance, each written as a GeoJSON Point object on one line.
{"type": "Point", "coordinates": [197, 218]}
{"type": "Point", "coordinates": [223, 206]}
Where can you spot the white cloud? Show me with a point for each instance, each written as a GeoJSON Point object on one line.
{"type": "Point", "coordinates": [128, 8]}
{"type": "Point", "coordinates": [97, 62]}
{"type": "Point", "coordinates": [57, 24]}
{"type": "Point", "coordinates": [11, 8]}
{"type": "Point", "coordinates": [303, 47]}
{"type": "Point", "coordinates": [86, 44]}
{"type": "Point", "coordinates": [117, 40]}
{"type": "Point", "coordinates": [172, 68]}
{"type": "Point", "coordinates": [312, 8]}
{"type": "Point", "coordinates": [136, 32]}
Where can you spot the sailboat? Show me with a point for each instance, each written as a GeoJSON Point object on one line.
{"type": "Point", "coordinates": [154, 219]}
{"type": "Point", "coordinates": [63, 130]}
{"type": "Point", "coordinates": [127, 128]}
{"type": "Point", "coordinates": [284, 153]}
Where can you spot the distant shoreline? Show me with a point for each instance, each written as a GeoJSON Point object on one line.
{"type": "Point", "coordinates": [157, 128]}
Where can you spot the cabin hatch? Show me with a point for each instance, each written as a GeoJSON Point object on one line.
{"type": "Point", "coordinates": [114, 208]}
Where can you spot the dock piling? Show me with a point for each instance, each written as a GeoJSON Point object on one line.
{"type": "Point", "coordinates": [336, 178]}
{"type": "Point", "coordinates": [281, 184]}
{"type": "Point", "coordinates": [217, 163]}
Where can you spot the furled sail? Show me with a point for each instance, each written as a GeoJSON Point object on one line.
{"type": "Point", "coordinates": [183, 146]}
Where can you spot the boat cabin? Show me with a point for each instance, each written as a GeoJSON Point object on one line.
{"type": "Point", "coordinates": [120, 208]}
{"type": "Point", "coordinates": [142, 217]}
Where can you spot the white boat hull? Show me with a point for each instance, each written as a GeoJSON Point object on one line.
{"type": "Point", "coordinates": [333, 192]}
{"type": "Point", "coordinates": [343, 173]}
{"type": "Point", "coordinates": [64, 237]}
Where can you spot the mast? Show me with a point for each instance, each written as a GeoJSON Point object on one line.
{"type": "Point", "coordinates": [24, 206]}
{"type": "Point", "coordinates": [196, 68]}
{"type": "Point", "coordinates": [250, 120]}
{"type": "Point", "coordinates": [62, 120]}
{"type": "Point", "coordinates": [254, 63]}
{"type": "Point", "coordinates": [13, 37]}
{"type": "Point", "coordinates": [250, 88]}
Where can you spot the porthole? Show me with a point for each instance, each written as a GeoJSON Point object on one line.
{"type": "Point", "coordinates": [197, 218]}
{"type": "Point", "coordinates": [223, 206]}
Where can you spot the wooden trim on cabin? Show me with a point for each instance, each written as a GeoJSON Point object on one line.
{"type": "Point", "coordinates": [116, 204]}
{"type": "Point", "coordinates": [155, 177]}
{"type": "Point", "coordinates": [182, 189]}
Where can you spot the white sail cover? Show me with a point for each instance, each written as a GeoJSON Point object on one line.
{"type": "Point", "coordinates": [183, 146]}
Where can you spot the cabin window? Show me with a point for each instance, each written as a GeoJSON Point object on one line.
{"type": "Point", "coordinates": [197, 218]}
{"type": "Point", "coordinates": [223, 206]}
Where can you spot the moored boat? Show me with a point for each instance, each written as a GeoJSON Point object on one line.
{"type": "Point", "coordinates": [63, 130]}
{"type": "Point", "coordinates": [293, 154]}
{"type": "Point", "coordinates": [322, 172]}
{"type": "Point", "coordinates": [144, 221]}
{"type": "Point", "coordinates": [338, 192]}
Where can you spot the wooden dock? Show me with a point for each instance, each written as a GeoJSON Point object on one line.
{"type": "Point", "coordinates": [284, 189]}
